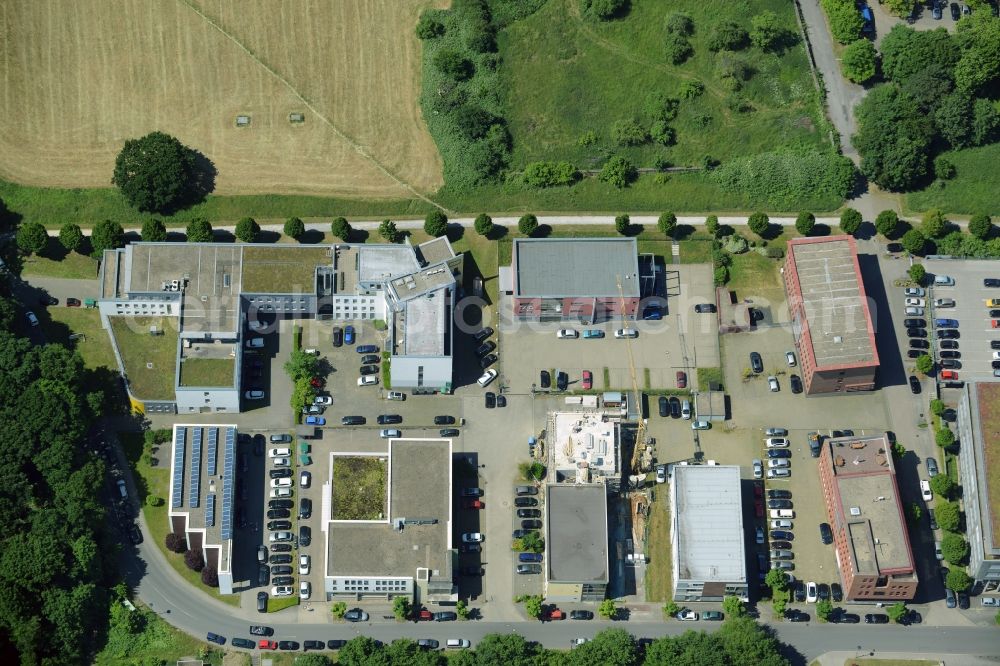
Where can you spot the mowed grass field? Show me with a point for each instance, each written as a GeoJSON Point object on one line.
{"type": "Point", "coordinates": [78, 79]}
{"type": "Point", "coordinates": [568, 76]}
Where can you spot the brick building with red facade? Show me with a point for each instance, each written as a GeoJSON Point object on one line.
{"type": "Point", "coordinates": [574, 279]}
{"type": "Point", "coordinates": [866, 515]}
{"type": "Point", "coordinates": [831, 319]}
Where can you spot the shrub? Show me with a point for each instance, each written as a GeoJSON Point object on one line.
{"type": "Point", "coordinates": [918, 273]}
{"type": "Point", "coordinates": [401, 608]}
{"type": "Point", "coordinates": [667, 224]}
{"type": "Point", "coordinates": [628, 133]}
{"type": "Point", "coordinates": [850, 221]}
{"type": "Point", "coordinates": [622, 224]}
{"type": "Point", "coordinates": [783, 179]}
{"type": "Point", "coordinates": [483, 224]}
{"type": "Point", "coordinates": [735, 244]}
{"type": "Point", "coordinates": [677, 48]}
{"type": "Point", "coordinates": [712, 225]}
{"type": "Point", "coordinates": [732, 69]}
{"type": "Point", "coordinates": [943, 168]}
{"type": "Point", "coordinates": [661, 163]}
{"type": "Point", "coordinates": [338, 609]}
{"type": "Point", "coordinates": [944, 437]}
{"type": "Point", "coordinates": [194, 560]}
{"type": "Point", "coordinates": [934, 224]}
{"type": "Point", "coordinates": [805, 222]}
{"type": "Point", "coordinates": [603, 10]}
{"type": "Point", "coordinates": [550, 174]}
{"type": "Point", "coordinates": [845, 20]}
{"type": "Point", "coordinates": [943, 486]}
{"type": "Point", "coordinates": [340, 228]}
{"type": "Point", "coordinates": [897, 611]}
{"type": "Point", "coordinates": [247, 230]}
{"type": "Point", "coordinates": [175, 542]}
{"type": "Point", "coordinates": [527, 224]}
{"type": "Point", "coordinates": [452, 64]}
{"type": "Point", "coordinates": [210, 577]}
{"type": "Point", "coordinates": [766, 30]}
{"type": "Point", "coordinates": [858, 61]}
{"type": "Point", "coordinates": [387, 230]}
{"type": "Point", "coordinates": [823, 609]}
{"type": "Point", "coordinates": [720, 275]}
{"type": "Point", "coordinates": [587, 139]}
{"type": "Point", "coordinates": [153, 231]}
{"type": "Point", "coordinates": [429, 28]}
{"type": "Point", "coordinates": [886, 223]}
{"type": "Point", "coordinates": [533, 607]}
{"type": "Point", "coordinates": [199, 230]}
{"type": "Point", "coordinates": [727, 35]}
{"type": "Point", "coordinates": [981, 226]}
{"type": "Point", "coordinates": [680, 23]}
{"type": "Point", "coordinates": [691, 89]}
{"type": "Point", "coordinates": [773, 252]}
{"type": "Point", "coordinates": [607, 609]}
{"type": "Point", "coordinates": [294, 228]}
{"type": "Point", "coordinates": [733, 606]}
{"type": "Point", "coordinates": [671, 609]}
{"type": "Point", "coordinates": [436, 223]}
{"type": "Point", "coordinates": [924, 364]}
{"type": "Point", "coordinates": [759, 223]}
{"type": "Point", "coordinates": [618, 172]}
{"type": "Point", "coordinates": [106, 235]}
{"type": "Point", "coordinates": [153, 500]}
{"type": "Point", "coordinates": [662, 133]}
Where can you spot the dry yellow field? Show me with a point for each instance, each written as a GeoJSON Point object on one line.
{"type": "Point", "coordinates": [78, 77]}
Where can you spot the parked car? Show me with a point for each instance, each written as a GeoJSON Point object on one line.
{"type": "Point", "coordinates": [593, 333]}
{"type": "Point", "coordinates": [704, 308]}
{"type": "Point", "coordinates": [525, 501]}
{"type": "Point", "coordinates": [681, 379]}
{"type": "Point", "coordinates": [487, 377]}
{"type": "Point", "coordinates": [877, 618]}
{"type": "Point", "coordinates": [825, 533]}
{"type": "Point", "coordinates": [587, 381]}
{"type": "Point", "coordinates": [356, 615]}
{"type": "Point", "coordinates": [790, 359]}
{"type": "Point", "coordinates": [932, 467]}
{"type": "Point", "coordinates": [567, 334]}
{"type": "Point", "coordinates": [756, 363]}
{"type": "Point", "coordinates": [796, 383]}
{"type": "Point", "coordinates": [776, 443]}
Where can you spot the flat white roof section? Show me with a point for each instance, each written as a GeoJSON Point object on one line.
{"type": "Point", "coordinates": [708, 523]}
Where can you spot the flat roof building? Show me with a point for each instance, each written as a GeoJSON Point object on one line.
{"type": "Point", "coordinates": [979, 432]}
{"type": "Point", "coordinates": [576, 542]}
{"type": "Point", "coordinates": [408, 551]}
{"type": "Point", "coordinates": [574, 279]}
{"type": "Point", "coordinates": [866, 515]}
{"type": "Point", "coordinates": [831, 320]}
{"type": "Point", "coordinates": [203, 489]}
{"type": "Point", "coordinates": [708, 544]}
{"type": "Point", "coordinates": [213, 290]}
{"type": "Point", "coordinates": [585, 446]}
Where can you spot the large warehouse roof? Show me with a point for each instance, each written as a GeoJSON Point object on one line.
{"type": "Point", "coordinates": [577, 526]}
{"type": "Point", "coordinates": [838, 328]}
{"type": "Point", "coordinates": [708, 523]}
{"type": "Point", "coordinates": [566, 267]}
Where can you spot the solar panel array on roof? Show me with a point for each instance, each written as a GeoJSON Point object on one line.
{"type": "Point", "coordinates": [194, 495]}
{"type": "Point", "coordinates": [210, 510]}
{"type": "Point", "coordinates": [213, 444]}
{"type": "Point", "coordinates": [228, 473]}
{"type": "Point", "coordinates": [177, 483]}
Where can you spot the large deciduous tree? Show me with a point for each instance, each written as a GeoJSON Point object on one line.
{"type": "Point", "coordinates": [858, 61]}
{"type": "Point", "coordinates": [893, 139]}
{"type": "Point", "coordinates": [155, 172]}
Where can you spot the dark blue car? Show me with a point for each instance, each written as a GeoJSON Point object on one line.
{"type": "Point", "coordinates": [529, 557]}
{"type": "Point", "coordinates": [349, 335]}
{"type": "Point", "coordinates": [946, 323]}
{"type": "Point", "coordinates": [367, 349]}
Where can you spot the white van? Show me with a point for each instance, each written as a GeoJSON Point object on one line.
{"type": "Point", "coordinates": [686, 410]}
{"type": "Point", "coordinates": [395, 395]}
{"type": "Point", "coordinates": [487, 377]}
{"type": "Point", "coordinates": [457, 643]}
{"type": "Point", "coordinates": [782, 513]}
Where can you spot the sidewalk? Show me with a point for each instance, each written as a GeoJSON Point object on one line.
{"type": "Point", "coordinates": [847, 657]}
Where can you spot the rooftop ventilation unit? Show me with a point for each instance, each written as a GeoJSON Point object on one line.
{"type": "Point", "coordinates": [855, 511]}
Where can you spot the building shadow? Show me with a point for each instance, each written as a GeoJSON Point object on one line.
{"type": "Point", "coordinates": [891, 371]}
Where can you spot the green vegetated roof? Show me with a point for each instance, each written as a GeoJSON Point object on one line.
{"type": "Point", "coordinates": [149, 358]}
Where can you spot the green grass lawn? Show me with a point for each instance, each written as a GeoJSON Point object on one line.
{"type": "Point", "coordinates": [697, 251]}
{"type": "Point", "coordinates": [568, 76]}
{"type": "Point", "coordinates": [973, 190]}
{"type": "Point", "coordinates": [60, 264]}
{"type": "Point", "coordinates": [138, 348]}
{"type": "Point", "coordinates": [94, 345]}
{"type": "Point", "coordinates": [207, 372]}
{"type": "Point", "coordinates": [154, 481]}
{"type": "Point", "coordinates": [754, 275]}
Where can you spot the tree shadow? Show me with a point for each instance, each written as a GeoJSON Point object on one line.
{"type": "Point", "coordinates": [54, 250]}
{"type": "Point", "coordinates": [725, 230]}
{"type": "Point", "coordinates": [265, 236]}
{"type": "Point", "coordinates": [543, 231]}
{"type": "Point", "coordinates": [455, 232]}
{"type": "Point", "coordinates": [201, 180]}
{"type": "Point", "coordinates": [820, 229]}
{"type": "Point", "coordinates": [176, 236]}
{"type": "Point", "coordinates": [902, 226]}
{"type": "Point", "coordinates": [866, 231]}
{"type": "Point", "coordinates": [359, 236]}
{"type": "Point", "coordinates": [683, 231]}
{"type": "Point", "coordinates": [8, 219]}
{"type": "Point", "coordinates": [223, 236]}
{"type": "Point", "coordinates": [497, 232]}
{"type": "Point", "coordinates": [772, 231]}
{"type": "Point", "coordinates": [312, 237]}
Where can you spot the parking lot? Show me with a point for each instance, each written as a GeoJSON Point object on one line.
{"type": "Point", "coordinates": [974, 323]}
{"type": "Point", "coordinates": [681, 341]}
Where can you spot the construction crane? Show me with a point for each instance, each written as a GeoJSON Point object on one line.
{"type": "Point", "coordinates": [640, 433]}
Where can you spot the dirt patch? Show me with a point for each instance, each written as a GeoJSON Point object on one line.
{"type": "Point", "coordinates": [79, 78]}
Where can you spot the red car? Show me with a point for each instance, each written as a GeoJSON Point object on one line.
{"type": "Point", "coordinates": [682, 379]}
{"type": "Point", "coordinates": [267, 645]}
{"type": "Point", "coordinates": [556, 614]}
{"type": "Point", "coordinates": [949, 374]}
{"type": "Point", "coordinates": [316, 382]}
{"type": "Point", "coordinates": [995, 323]}
{"type": "Point", "coordinates": [474, 504]}
{"type": "Point", "coordinates": [425, 615]}
{"type": "Point", "coordinates": [72, 302]}
{"type": "Point", "coordinates": [588, 380]}
{"type": "Point", "coordinates": [758, 506]}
